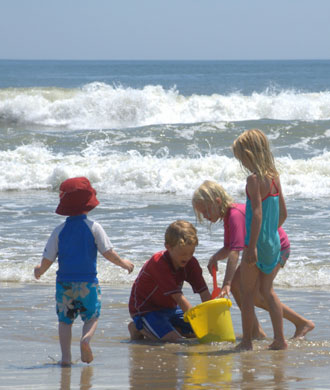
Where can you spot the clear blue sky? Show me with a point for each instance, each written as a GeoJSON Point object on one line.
{"type": "Point", "coordinates": [165, 29]}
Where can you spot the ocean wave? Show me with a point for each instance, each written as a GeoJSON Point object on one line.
{"type": "Point", "coordinates": [291, 276]}
{"type": "Point", "coordinates": [102, 106]}
{"type": "Point", "coordinates": [36, 167]}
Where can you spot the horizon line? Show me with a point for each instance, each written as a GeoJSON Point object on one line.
{"type": "Point", "coordinates": [159, 60]}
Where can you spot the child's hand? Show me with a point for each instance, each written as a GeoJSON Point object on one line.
{"type": "Point", "coordinates": [37, 272]}
{"type": "Point", "coordinates": [225, 291]}
{"type": "Point", "coordinates": [113, 256]}
{"type": "Point", "coordinates": [250, 256]}
{"type": "Point", "coordinates": [42, 268]}
{"type": "Point", "coordinates": [128, 265]}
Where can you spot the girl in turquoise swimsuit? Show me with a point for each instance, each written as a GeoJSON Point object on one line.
{"type": "Point", "coordinates": [265, 213]}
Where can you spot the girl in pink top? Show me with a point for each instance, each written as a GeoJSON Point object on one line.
{"type": "Point", "coordinates": [210, 201]}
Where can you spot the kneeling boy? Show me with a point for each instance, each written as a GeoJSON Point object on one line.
{"type": "Point", "coordinates": [157, 304]}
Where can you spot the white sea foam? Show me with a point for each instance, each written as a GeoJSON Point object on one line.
{"type": "Point", "coordinates": [297, 271]}
{"type": "Point", "coordinates": [98, 105]}
{"type": "Point", "coordinates": [291, 276]}
{"type": "Point", "coordinates": [36, 167]}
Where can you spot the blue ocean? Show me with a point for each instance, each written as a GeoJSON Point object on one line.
{"type": "Point", "coordinates": [146, 134]}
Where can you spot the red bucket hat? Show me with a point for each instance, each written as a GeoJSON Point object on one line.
{"type": "Point", "coordinates": [76, 196]}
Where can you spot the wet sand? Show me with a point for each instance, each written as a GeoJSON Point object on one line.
{"type": "Point", "coordinates": [29, 342]}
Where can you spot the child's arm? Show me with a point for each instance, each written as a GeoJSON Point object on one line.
{"type": "Point", "coordinates": [112, 256]}
{"type": "Point", "coordinates": [205, 295]}
{"type": "Point", "coordinates": [253, 187]}
{"type": "Point", "coordinates": [230, 272]}
{"type": "Point", "coordinates": [283, 211]}
{"type": "Point", "coordinates": [231, 267]}
{"type": "Point", "coordinates": [42, 267]}
{"type": "Point", "coordinates": [182, 301]}
{"type": "Point", "coordinates": [221, 254]}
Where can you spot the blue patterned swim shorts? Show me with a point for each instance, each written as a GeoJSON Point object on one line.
{"type": "Point", "coordinates": [74, 298]}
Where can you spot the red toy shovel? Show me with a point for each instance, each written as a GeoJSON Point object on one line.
{"type": "Point", "coordinates": [216, 290]}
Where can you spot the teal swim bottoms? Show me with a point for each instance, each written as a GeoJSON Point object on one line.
{"type": "Point", "coordinates": [77, 298]}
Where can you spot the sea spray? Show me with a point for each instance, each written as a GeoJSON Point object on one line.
{"type": "Point", "coordinates": [102, 106]}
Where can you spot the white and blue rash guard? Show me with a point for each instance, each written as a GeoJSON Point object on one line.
{"type": "Point", "coordinates": [76, 242]}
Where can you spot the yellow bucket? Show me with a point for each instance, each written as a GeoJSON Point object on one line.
{"type": "Point", "coordinates": [211, 321]}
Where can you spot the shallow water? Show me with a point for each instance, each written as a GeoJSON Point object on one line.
{"type": "Point", "coordinates": [30, 349]}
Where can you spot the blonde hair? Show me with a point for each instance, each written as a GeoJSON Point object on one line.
{"type": "Point", "coordinates": [252, 149]}
{"type": "Point", "coordinates": [208, 192]}
{"type": "Point", "coordinates": [181, 233]}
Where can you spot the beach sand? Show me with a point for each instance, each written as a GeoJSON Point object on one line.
{"type": "Point", "coordinates": [30, 349]}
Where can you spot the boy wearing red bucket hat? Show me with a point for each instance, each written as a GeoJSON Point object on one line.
{"type": "Point", "coordinates": [157, 304]}
{"type": "Point", "coordinates": [75, 243]}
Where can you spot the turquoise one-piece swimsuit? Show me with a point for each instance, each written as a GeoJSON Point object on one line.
{"type": "Point", "coordinates": [268, 244]}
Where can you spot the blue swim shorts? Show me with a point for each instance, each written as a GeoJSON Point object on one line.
{"type": "Point", "coordinates": [161, 322]}
{"type": "Point", "coordinates": [74, 298]}
{"type": "Point", "coordinates": [285, 253]}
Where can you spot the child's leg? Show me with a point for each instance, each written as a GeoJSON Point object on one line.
{"type": "Point", "coordinates": [275, 309]}
{"type": "Point", "coordinates": [249, 277]}
{"type": "Point", "coordinates": [257, 333]}
{"type": "Point", "coordinates": [160, 325]}
{"type": "Point", "coordinates": [90, 308]}
{"type": "Point", "coordinates": [172, 336]}
{"type": "Point", "coordinates": [65, 335]}
{"type": "Point", "coordinates": [303, 326]}
{"type": "Point", "coordinates": [88, 331]}
{"type": "Point", "coordinates": [134, 333]}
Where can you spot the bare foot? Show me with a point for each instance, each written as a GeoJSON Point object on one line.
{"type": "Point", "coordinates": [244, 346]}
{"type": "Point", "coordinates": [86, 352]}
{"type": "Point", "coordinates": [259, 334]}
{"type": "Point", "coordinates": [301, 331]}
{"type": "Point", "coordinates": [134, 333]}
{"type": "Point", "coordinates": [278, 345]}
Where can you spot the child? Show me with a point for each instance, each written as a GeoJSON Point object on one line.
{"type": "Point", "coordinates": [265, 213]}
{"type": "Point", "coordinates": [76, 242]}
{"type": "Point", "coordinates": [157, 290]}
{"type": "Point", "coordinates": [211, 201]}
